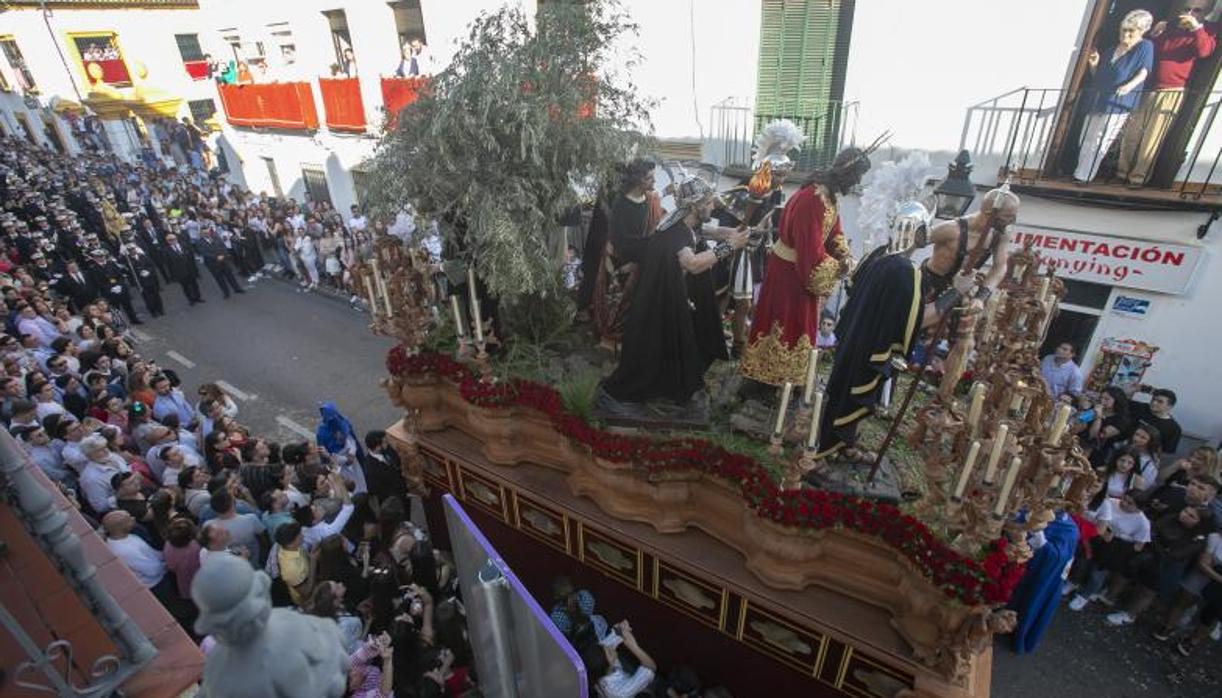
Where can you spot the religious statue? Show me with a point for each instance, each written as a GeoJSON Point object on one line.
{"type": "Point", "coordinates": [673, 332]}
{"type": "Point", "coordinates": [262, 652]}
{"type": "Point", "coordinates": [809, 257]}
{"type": "Point", "coordinates": [968, 242]}
{"type": "Point", "coordinates": [631, 217]}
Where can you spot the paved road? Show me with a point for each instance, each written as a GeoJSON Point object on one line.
{"type": "Point", "coordinates": [284, 351]}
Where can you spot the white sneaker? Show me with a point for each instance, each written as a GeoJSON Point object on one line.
{"type": "Point", "coordinates": [1120, 618]}
{"type": "Point", "coordinates": [1078, 602]}
{"type": "Point", "coordinates": [1068, 588]}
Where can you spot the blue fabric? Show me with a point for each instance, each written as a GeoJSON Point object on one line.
{"type": "Point", "coordinates": [1109, 76]}
{"type": "Point", "coordinates": [334, 430]}
{"type": "Point", "coordinates": [1038, 594]}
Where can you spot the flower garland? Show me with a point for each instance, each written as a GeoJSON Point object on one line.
{"type": "Point", "coordinates": [990, 580]}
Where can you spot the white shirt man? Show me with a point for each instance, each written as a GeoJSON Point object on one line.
{"type": "Point", "coordinates": [1060, 372]}
{"type": "Point", "coordinates": [146, 563]}
{"type": "Point", "coordinates": [100, 468]}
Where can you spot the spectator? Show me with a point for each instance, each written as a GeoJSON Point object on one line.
{"type": "Point", "coordinates": [1177, 538]}
{"type": "Point", "coordinates": [146, 563]}
{"type": "Point", "coordinates": [1061, 374]}
{"type": "Point", "coordinates": [1120, 477]}
{"type": "Point", "coordinates": [100, 468]}
{"type": "Point", "coordinates": [312, 518]}
{"type": "Point", "coordinates": [606, 670]}
{"type": "Point", "coordinates": [245, 529]}
{"type": "Point", "coordinates": [1123, 532]}
{"type": "Point", "coordinates": [1157, 413]}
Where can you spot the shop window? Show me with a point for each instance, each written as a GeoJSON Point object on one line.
{"type": "Point", "coordinates": [101, 58]}
{"type": "Point", "coordinates": [202, 111]}
{"type": "Point", "coordinates": [316, 184]}
{"type": "Point", "coordinates": [25, 79]}
{"type": "Point", "coordinates": [1086, 294]}
{"type": "Point", "coordinates": [409, 21]}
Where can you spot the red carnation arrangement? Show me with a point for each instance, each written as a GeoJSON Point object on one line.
{"type": "Point", "coordinates": [990, 580]}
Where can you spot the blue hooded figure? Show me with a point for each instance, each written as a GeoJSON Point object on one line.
{"type": "Point", "coordinates": [336, 435]}
{"type": "Point", "coordinates": [1038, 594]}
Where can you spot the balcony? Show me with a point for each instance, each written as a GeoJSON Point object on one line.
{"type": "Point", "coordinates": [275, 105]}
{"type": "Point", "coordinates": [1035, 137]}
{"type": "Point", "coordinates": [397, 93]}
{"type": "Point", "coordinates": [735, 123]}
{"type": "Point", "coordinates": [341, 102]}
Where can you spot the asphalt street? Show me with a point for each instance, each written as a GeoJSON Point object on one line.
{"type": "Point", "coordinates": [279, 352]}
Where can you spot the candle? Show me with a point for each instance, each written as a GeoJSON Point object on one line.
{"type": "Point", "coordinates": [1058, 424]}
{"type": "Point", "coordinates": [458, 326]}
{"type": "Point", "coordinates": [1022, 321]}
{"type": "Point", "coordinates": [966, 473]}
{"type": "Point", "coordinates": [373, 303]}
{"type": "Point", "coordinates": [479, 323]}
{"type": "Point", "coordinates": [886, 396]}
{"type": "Point", "coordinates": [1016, 403]}
{"type": "Point", "coordinates": [1018, 271]}
{"type": "Point", "coordinates": [812, 438]}
{"type": "Point", "coordinates": [386, 299]}
{"type": "Point", "coordinates": [1003, 498]}
{"type": "Point", "coordinates": [999, 447]}
{"type": "Point", "coordinates": [811, 365]}
{"type": "Point", "coordinates": [1044, 282]}
{"type": "Point", "coordinates": [780, 415]}
{"type": "Point", "coordinates": [976, 406]}
{"type": "Point", "coordinates": [990, 306]}
{"type": "Point", "coordinates": [380, 284]}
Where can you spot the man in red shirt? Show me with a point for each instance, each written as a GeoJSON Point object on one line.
{"type": "Point", "coordinates": [1178, 45]}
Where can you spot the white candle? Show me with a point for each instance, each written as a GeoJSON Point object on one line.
{"type": "Point", "coordinates": [373, 302]}
{"type": "Point", "coordinates": [380, 284]}
{"type": "Point", "coordinates": [1003, 499]}
{"type": "Point", "coordinates": [812, 438]}
{"type": "Point", "coordinates": [999, 447]}
{"type": "Point", "coordinates": [1016, 403]}
{"type": "Point", "coordinates": [976, 406]}
{"type": "Point", "coordinates": [990, 306]}
{"type": "Point", "coordinates": [458, 326]}
{"type": "Point", "coordinates": [886, 396]}
{"type": "Point", "coordinates": [1018, 271]}
{"type": "Point", "coordinates": [780, 415]}
{"type": "Point", "coordinates": [811, 365]}
{"type": "Point", "coordinates": [966, 473]}
{"type": "Point", "coordinates": [1044, 282]}
{"type": "Point", "coordinates": [479, 323]}
{"type": "Point", "coordinates": [1022, 321]}
{"type": "Point", "coordinates": [1058, 424]}
{"type": "Point", "coordinates": [386, 299]}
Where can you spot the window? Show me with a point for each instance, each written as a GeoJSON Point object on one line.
{"type": "Point", "coordinates": [201, 111]}
{"type": "Point", "coordinates": [341, 41]}
{"type": "Point", "coordinates": [274, 176]}
{"type": "Point", "coordinates": [25, 80]}
{"type": "Point", "coordinates": [316, 184]}
{"type": "Point", "coordinates": [409, 21]}
{"type": "Point", "coordinates": [360, 184]}
{"type": "Point", "coordinates": [285, 46]}
{"type": "Point", "coordinates": [803, 57]}
{"type": "Point", "coordinates": [101, 58]}
{"type": "Point", "coordinates": [188, 47]}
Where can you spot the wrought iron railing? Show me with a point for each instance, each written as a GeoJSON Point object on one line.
{"type": "Point", "coordinates": [35, 506]}
{"type": "Point", "coordinates": [1042, 135]}
{"type": "Point", "coordinates": [828, 125]}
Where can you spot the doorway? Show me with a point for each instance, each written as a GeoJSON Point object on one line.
{"type": "Point", "coordinates": [274, 176]}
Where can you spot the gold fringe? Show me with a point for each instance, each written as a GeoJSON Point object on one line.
{"type": "Point", "coordinates": [768, 360]}
{"type": "Point", "coordinates": [823, 277]}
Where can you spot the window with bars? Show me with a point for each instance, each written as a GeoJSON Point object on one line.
{"type": "Point", "coordinates": [803, 57]}
{"type": "Point", "coordinates": [201, 111]}
{"type": "Point", "coordinates": [316, 184]}
{"type": "Point", "coordinates": [25, 79]}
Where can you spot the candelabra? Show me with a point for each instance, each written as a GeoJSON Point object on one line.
{"type": "Point", "coordinates": [400, 292]}
{"type": "Point", "coordinates": [1006, 448]}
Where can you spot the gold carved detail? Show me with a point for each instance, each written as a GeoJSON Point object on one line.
{"type": "Point", "coordinates": [837, 247]}
{"type": "Point", "coordinates": [610, 556]}
{"type": "Point", "coordinates": [483, 493]}
{"type": "Point", "coordinates": [823, 277]}
{"type": "Point", "coordinates": [540, 521]}
{"type": "Point", "coordinates": [767, 359]}
{"type": "Point", "coordinates": [689, 594]}
{"type": "Point", "coordinates": [780, 637]}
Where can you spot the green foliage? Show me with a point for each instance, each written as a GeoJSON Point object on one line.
{"type": "Point", "coordinates": [578, 393]}
{"type": "Point", "coordinates": [495, 147]}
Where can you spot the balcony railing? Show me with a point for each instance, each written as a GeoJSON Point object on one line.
{"type": "Point", "coordinates": [397, 93]}
{"type": "Point", "coordinates": [828, 125]}
{"type": "Point", "coordinates": [1043, 139]}
{"type": "Point", "coordinates": [280, 105]}
{"type": "Point", "coordinates": [341, 102]}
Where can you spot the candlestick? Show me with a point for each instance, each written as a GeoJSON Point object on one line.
{"type": "Point", "coordinates": [386, 298]}
{"type": "Point", "coordinates": [976, 406]}
{"type": "Point", "coordinates": [1003, 499]}
{"type": "Point", "coordinates": [479, 322]}
{"type": "Point", "coordinates": [380, 285]}
{"type": "Point", "coordinates": [885, 398]}
{"type": "Point", "coordinates": [1022, 321]}
{"type": "Point", "coordinates": [1018, 271]}
{"type": "Point", "coordinates": [458, 325]}
{"type": "Point", "coordinates": [990, 306]}
{"type": "Point", "coordinates": [811, 365]}
{"type": "Point", "coordinates": [812, 437]}
{"type": "Point", "coordinates": [373, 302]}
{"type": "Point", "coordinates": [780, 415]}
{"type": "Point", "coordinates": [966, 473]}
{"type": "Point", "coordinates": [999, 447]}
{"type": "Point", "coordinates": [1058, 424]}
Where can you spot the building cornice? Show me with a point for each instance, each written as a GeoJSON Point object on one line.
{"type": "Point", "coordinates": [100, 4]}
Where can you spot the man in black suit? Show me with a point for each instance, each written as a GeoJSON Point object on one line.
{"type": "Point", "coordinates": [217, 258]}
{"type": "Point", "coordinates": [111, 278]}
{"type": "Point", "coordinates": [143, 274]}
{"type": "Point", "coordinates": [181, 261]}
{"type": "Point", "coordinates": [77, 286]}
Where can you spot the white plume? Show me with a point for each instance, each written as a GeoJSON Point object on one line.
{"type": "Point", "coordinates": [886, 186]}
{"type": "Point", "coordinates": [778, 137]}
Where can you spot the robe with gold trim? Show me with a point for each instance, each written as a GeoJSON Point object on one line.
{"type": "Point", "coordinates": [803, 269]}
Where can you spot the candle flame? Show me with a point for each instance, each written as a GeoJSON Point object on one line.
{"type": "Point", "coordinates": [761, 181]}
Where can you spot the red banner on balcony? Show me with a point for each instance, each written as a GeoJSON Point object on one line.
{"type": "Point", "coordinates": [397, 93]}
{"type": "Point", "coordinates": [341, 102]}
{"type": "Point", "coordinates": [286, 105]}
{"type": "Point", "coordinates": [198, 70]}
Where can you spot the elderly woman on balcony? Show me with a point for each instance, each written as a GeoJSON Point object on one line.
{"type": "Point", "coordinates": [1115, 87]}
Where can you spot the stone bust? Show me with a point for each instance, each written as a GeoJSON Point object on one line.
{"type": "Point", "coordinates": [262, 652]}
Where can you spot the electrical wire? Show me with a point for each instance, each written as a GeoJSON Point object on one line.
{"type": "Point", "coordinates": [691, 17]}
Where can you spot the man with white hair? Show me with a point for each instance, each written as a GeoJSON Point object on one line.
{"type": "Point", "coordinates": [101, 465]}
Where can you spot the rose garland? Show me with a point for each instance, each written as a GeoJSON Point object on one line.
{"type": "Point", "coordinates": [990, 580]}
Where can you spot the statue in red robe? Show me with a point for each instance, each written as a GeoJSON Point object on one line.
{"type": "Point", "coordinates": [809, 257]}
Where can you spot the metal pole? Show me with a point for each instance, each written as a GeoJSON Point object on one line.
{"type": "Point", "coordinates": [46, 18]}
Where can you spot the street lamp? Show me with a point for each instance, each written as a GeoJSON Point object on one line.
{"type": "Point", "coordinates": [956, 192]}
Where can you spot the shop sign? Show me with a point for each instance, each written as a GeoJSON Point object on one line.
{"type": "Point", "coordinates": [1112, 261]}
{"type": "Point", "coordinates": [1132, 307]}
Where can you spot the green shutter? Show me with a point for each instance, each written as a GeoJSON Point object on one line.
{"type": "Point", "coordinates": [801, 63]}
